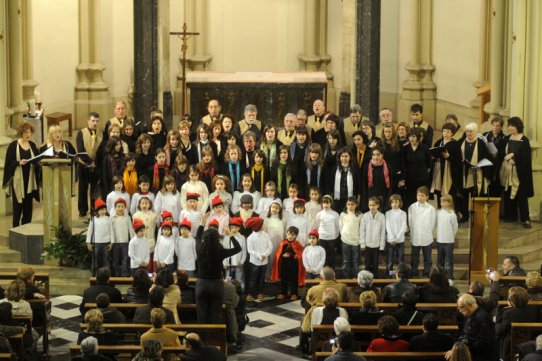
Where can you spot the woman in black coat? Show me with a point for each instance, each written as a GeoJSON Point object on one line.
{"type": "Point", "coordinates": [22, 178]}
{"type": "Point", "coordinates": [417, 165]}
{"type": "Point", "coordinates": [438, 290]}
{"type": "Point", "coordinates": [516, 173]}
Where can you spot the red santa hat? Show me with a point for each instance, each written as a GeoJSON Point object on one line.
{"type": "Point", "coordinates": [138, 224]}
{"type": "Point", "coordinates": [121, 200]}
{"type": "Point", "coordinates": [166, 214]}
{"type": "Point", "coordinates": [167, 224]}
{"type": "Point", "coordinates": [299, 201]}
{"type": "Point", "coordinates": [214, 223]}
{"type": "Point", "coordinates": [99, 204]}
{"type": "Point", "coordinates": [185, 223]}
{"type": "Point", "coordinates": [236, 221]}
{"type": "Point", "coordinates": [314, 233]}
{"type": "Point", "coordinates": [254, 223]}
{"type": "Point", "coordinates": [193, 196]}
{"type": "Point", "coordinates": [216, 201]}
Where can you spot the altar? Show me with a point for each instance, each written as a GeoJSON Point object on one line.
{"type": "Point", "coordinates": [274, 94]}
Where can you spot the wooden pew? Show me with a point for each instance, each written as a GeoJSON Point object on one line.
{"type": "Point", "coordinates": [523, 332]}
{"type": "Point", "coordinates": [41, 309]}
{"type": "Point", "coordinates": [132, 350]}
{"type": "Point", "coordinates": [323, 333]}
{"type": "Point", "coordinates": [213, 334]}
{"type": "Point", "coordinates": [389, 356]}
{"type": "Point", "coordinates": [128, 280]}
{"type": "Point", "coordinates": [16, 342]}
{"type": "Point", "coordinates": [41, 280]}
{"type": "Point", "coordinates": [378, 282]}
{"type": "Point", "coordinates": [5, 357]}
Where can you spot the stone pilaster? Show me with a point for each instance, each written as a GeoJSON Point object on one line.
{"type": "Point", "coordinates": [165, 102]}
{"type": "Point", "coordinates": [368, 57]}
{"type": "Point", "coordinates": [29, 84]}
{"type": "Point", "coordinates": [419, 87]}
{"type": "Point", "coordinates": [91, 90]}
{"type": "Point", "coordinates": [145, 57]}
{"type": "Point", "coordinates": [198, 57]}
{"type": "Point", "coordinates": [15, 56]}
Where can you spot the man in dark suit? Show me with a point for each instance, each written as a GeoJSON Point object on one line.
{"type": "Point", "coordinates": [197, 351]}
{"type": "Point", "coordinates": [510, 267]}
{"type": "Point", "coordinates": [431, 340]}
{"type": "Point", "coordinates": [102, 286]}
{"type": "Point", "coordinates": [156, 298]}
{"type": "Point", "coordinates": [395, 291]}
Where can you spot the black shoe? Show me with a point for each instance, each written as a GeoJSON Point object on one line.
{"type": "Point", "coordinates": [82, 214]}
{"type": "Point", "coordinates": [527, 225]}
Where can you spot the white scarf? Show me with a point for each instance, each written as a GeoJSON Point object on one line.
{"type": "Point", "coordinates": [349, 183]}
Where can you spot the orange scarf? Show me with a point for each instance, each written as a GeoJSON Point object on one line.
{"type": "Point", "coordinates": [129, 178]}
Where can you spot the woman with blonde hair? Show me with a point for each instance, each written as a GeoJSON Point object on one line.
{"type": "Point", "coordinates": [94, 320]}
{"type": "Point", "coordinates": [54, 139]}
{"type": "Point", "coordinates": [534, 285]}
{"type": "Point", "coordinates": [459, 352]}
{"type": "Point", "coordinates": [15, 295]}
{"type": "Point", "coordinates": [369, 313]}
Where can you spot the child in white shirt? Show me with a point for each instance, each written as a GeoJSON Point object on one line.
{"type": "Point", "coordinates": [121, 234]}
{"type": "Point", "coordinates": [234, 265]}
{"type": "Point", "coordinates": [168, 199]}
{"type": "Point", "coordinates": [221, 185]}
{"type": "Point", "coordinates": [138, 248]}
{"type": "Point", "coordinates": [273, 225]}
{"type": "Point", "coordinates": [165, 248]}
{"type": "Point", "coordinates": [246, 188]}
{"type": "Point", "coordinates": [396, 226]}
{"type": "Point", "coordinates": [99, 236]}
{"type": "Point", "coordinates": [313, 206]}
{"type": "Point", "coordinates": [270, 195]}
{"type": "Point", "coordinates": [148, 217]}
{"type": "Point", "coordinates": [421, 219]}
{"type": "Point", "coordinates": [288, 203]}
{"type": "Point", "coordinates": [219, 213]}
{"type": "Point", "coordinates": [349, 222]}
{"type": "Point", "coordinates": [144, 185]}
{"type": "Point", "coordinates": [372, 233]}
{"type": "Point", "coordinates": [167, 216]}
{"type": "Point", "coordinates": [185, 249]}
{"type": "Point", "coordinates": [259, 248]}
{"type": "Point", "coordinates": [118, 192]}
{"type": "Point", "coordinates": [314, 256]}
{"type": "Point", "coordinates": [194, 185]}
{"type": "Point", "coordinates": [299, 220]}
{"type": "Point", "coordinates": [327, 223]}
{"type": "Point", "coordinates": [191, 212]}
{"type": "Point", "coordinates": [446, 231]}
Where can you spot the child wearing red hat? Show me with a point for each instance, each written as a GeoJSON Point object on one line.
{"type": "Point", "coordinates": [221, 186]}
{"type": "Point", "coordinates": [99, 236]}
{"type": "Point", "coordinates": [314, 256]}
{"type": "Point", "coordinates": [122, 232]}
{"type": "Point", "coordinates": [191, 212]}
{"type": "Point", "coordinates": [117, 192]}
{"type": "Point", "coordinates": [259, 248]}
{"type": "Point", "coordinates": [148, 217]}
{"type": "Point", "coordinates": [234, 265]}
{"type": "Point", "coordinates": [165, 248]}
{"type": "Point", "coordinates": [288, 265]}
{"type": "Point", "coordinates": [168, 198]}
{"type": "Point", "coordinates": [300, 220]}
{"type": "Point", "coordinates": [219, 214]}
{"type": "Point", "coordinates": [138, 248]}
{"type": "Point", "coordinates": [196, 186]}
{"type": "Point", "coordinates": [185, 248]}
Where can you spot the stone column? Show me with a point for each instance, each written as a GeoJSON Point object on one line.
{"type": "Point", "coordinates": [419, 87]}
{"type": "Point", "coordinates": [91, 90]}
{"type": "Point", "coordinates": [29, 84]}
{"type": "Point", "coordinates": [309, 59]}
{"type": "Point", "coordinates": [5, 205]}
{"type": "Point", "coordinates": [145, 57]}
{"type": "Point", "coordinates": [15, 56]}
{"type": "Point", "coordinates": [368, 57]}
{"type": "Point", "coordinates": [199, 57]}
{"type": "Point", "coordinates": [165, 102]}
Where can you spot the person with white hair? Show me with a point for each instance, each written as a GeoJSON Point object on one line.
{"type": "Point", "coordinates": [89, 351]}
{"type": "Point", "coordinates": [341, 324]}
{"type": "Point", "coordinates": [537, 355]}
{"type": "Point", "coordinates": [250, 122]}
{"type": "Point", "coordinates": [365, 283]}
{"type": "Point", "coordinates": [475, 179]}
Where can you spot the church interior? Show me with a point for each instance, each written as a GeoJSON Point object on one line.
{"type": "Point", "coordinates": [62, 59]}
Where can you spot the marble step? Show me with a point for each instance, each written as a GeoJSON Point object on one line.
{"type": "Point", "coordinates": [4, 241]}
{"type": "Point", "coordinates": [8, 255]}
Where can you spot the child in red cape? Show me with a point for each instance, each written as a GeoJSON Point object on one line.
{"type": "Point", "coordinates": [288, 265]}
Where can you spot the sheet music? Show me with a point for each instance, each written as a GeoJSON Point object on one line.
{"type": "Point", "coordinates": [49, 152]}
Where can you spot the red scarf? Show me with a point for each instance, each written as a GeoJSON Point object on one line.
{"type": "Point", "coordinates": [386, 173]}
{"type": "Point", "coordinates": [156, 175]}
{"type": "Point", "coordinates": [209, 170]}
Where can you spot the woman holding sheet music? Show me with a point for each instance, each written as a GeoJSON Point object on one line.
{"type": "Point", "coordinates": [61, 148]}
{"type": "Point", "coordinates": [516, 173]}
{"type": "Point", "coordinates": [21, 177]}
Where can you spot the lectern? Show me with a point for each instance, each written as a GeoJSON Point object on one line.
{"type": "Point", "coordinates": [484, 237]}
{"type": "Point", "coordinates": [57, 194]}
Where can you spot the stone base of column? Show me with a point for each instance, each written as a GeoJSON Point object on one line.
{"type": "Point", "coordinates": [199, 62]}
{"type": "Point", "coordinates": [5, 202]}
{"type": "Point", "coordinates": [29, 87]}
{"type": "Point", "coordinates": [419, 88]}
{"type": "Point", "coordinates": [309, 62]}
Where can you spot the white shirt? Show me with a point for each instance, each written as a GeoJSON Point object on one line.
{"type": "Point", "coordinates": [196, 187]}
{"type": "Point", "coordinates": [193, 216]}
{"type": "Point", "coordinates": [446, 226]}
{"type": "Point", "coordinates": [302, 223]}
{"type": "Point", "coordinates": [311, 210]}
{"type": "Point", "coordinates": [223, 221]}
{"type": "Point", "coordinates": [288, 205]}
{"type": "Point", "coordinates": [259, 248]}
{"type": "Point", "coordinates": [112, 197]}
{"type": "Point", "coordinates": [263, 206]}
{"type": "Point", "coordinates": [314, 258]}
{"type": "Point", "coordinates": [185, 249]}
{"type": "Point", "coordinates": [101, 228]}
{"type": "Point", "coordinates": [236, 202]}
{"type": "Point", "coordinates": [226, 199]}
{"type": "Point", "coordinates": [372, 231]}
{"type": "Point", "coordinates": [135, 201]}
{"type": "Point", "coordinates": [138, 251]}
{"type": "Point", "coordinates": [122, 229]}
{"type": "Point", "coordinates": [422, 219]}
{"type": "Point", "coordinates": [164, 250]}
{"type": "Point", "coordinates": [167, 202]}
{"type": "Point", "coordinates": [349, 224]}
{"type": "Point", "coordinates": [396, 225]}
{"type": "Point", "coordinates": [239, 258]}
{"type": "Point", "coordinates": [328, 225]}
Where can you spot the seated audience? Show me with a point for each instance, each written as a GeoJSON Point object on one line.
{"type": "Point", "coordinates": [230, 300]}
{"type": "Point", "coordinates": [156, 299]}
{"type": "Point", "coordinates": [94, 320]}
{"type": "Point", "coordinates": [394, 292]}
{"type": "Point", "coordinates": [365, 282]}
{"type": "Point", "coordinates": [110, 314]}
{"type": "Point", "coordinates": [438, 290]}
{"type": "Point", "coordinates": [476, 329]}
{"type": "Point", "coordinates": [26, 274]}
{"type": "Point", "coordinates": [15, 295]}
{"type": "Point", "coordinates": [10, 326]}
{"type": "Point", "coordinates": [102, 285]}
{"type": "Point", "coordinates": [534, 285]}
{"type": "Point", "coordinates": [517, 311]}
{"type": "Point", "coordinates": [158, 332]}
{"type": "Point", "coordinates": [343, 348]}
{"type": "Point", "coordinates": [139, 290]}
{"type": "Point", "coordinates": [488, 303]}
{"type": "Point", "coordinates": [369, 313]}
{"type": "Point", "coordinates": [459, 352]}
{"type": "Point", "coordinates": [172, 294]}
{"type": "Point", "coordinates": [537, 355]}
{"type": "Point", "coordinates": [240, 311]}
{"type": "Point", "coordinates": [326, 314]}
{"type": "Point", "coordinates": [390, 341]}
{"type": "Point", "coordinates": [510, 267]}
{"type": "Point", "coordinates": [89, 351]}
{"type": "Point", "coordinates": [431, 340]}
{"type": "Point", "coordinates": [407, 313]}
{"type": "Point", "coordinates": [188, 293]}
{"type": "Point", "coordinates": [197, 351]}
{"type": "Point", "coordinates": [152, 351]}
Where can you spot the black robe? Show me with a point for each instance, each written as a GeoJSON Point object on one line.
{"type": "Point", "coordinates": [524, 165]}
{"type": "Point", "coordinates": [11, 164]}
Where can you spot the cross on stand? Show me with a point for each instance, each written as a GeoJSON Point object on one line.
{"type": "Point", "coordinates": [184, 36]}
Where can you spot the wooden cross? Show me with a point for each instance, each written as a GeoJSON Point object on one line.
{"type": "Point", "coordinates": [184, 36]}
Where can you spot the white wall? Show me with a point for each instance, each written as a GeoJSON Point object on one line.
{"type": "Point", "coordinates": [389, 47]}
{"type": "Point", "coordinates": [55, 46]}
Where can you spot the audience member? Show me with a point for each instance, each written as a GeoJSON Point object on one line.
{"type": "Point", "coordinates": [390, 341]}
{"type": "Point", "coordinates": [459, 352]}
{"type": "Point", "coordinates": [139, 290]}
{"type": "Point", "coordinates": [438, 290]}
{"type": "Point", "coordinates": [537, 355]}
{"type": "Point", "coordinates": [343, 348]}
{"type": "Point", "coordinates": [326, 314]}
{"type": "Point", "coordinates": [188, 293]}
{"type": "Point", "coordinates": [407, 313]}
{"type": "Point", "coordinates": [102, 285]}
{"type": "Point", "coordinates": [369, 313]}
{"type": "Point", "coordinates": [365, 283]}
{"type": "Point", "coordinates": [231, 299]}
{"type": "Point", "coordinates": [197, 351]}
{"type": "Point", "coordinates": [172, 294]}
{"type": "Point", "coordinates": [15, 295]}
{"type": "Point", "coordinates": [26, 274]}
{"type": "Point", "coordinates": [156, 299]}
{"type": "Point", "coordinates": [394, 291]}
{"type": "Point", "coordinates": [431, 340]}
{"type": "Point", "coordinates": [477, 330]}
{"type": "Point", "coordinates": [89, 351]}
{"type": "Point", "coordinates": [158, 332]}
{"type": "Point", "coordinates": [534, 285]}
{"type": "Point", "coordinates": [510, 267]}
{"type": "Point", "coordinates": [94, 320]}
{"type": "Point", "coordinates": [110, 314]}
{"type": "Point", "coordinates": [488, 303]}
{"type": "Point", "coordinates": [152, 351]}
